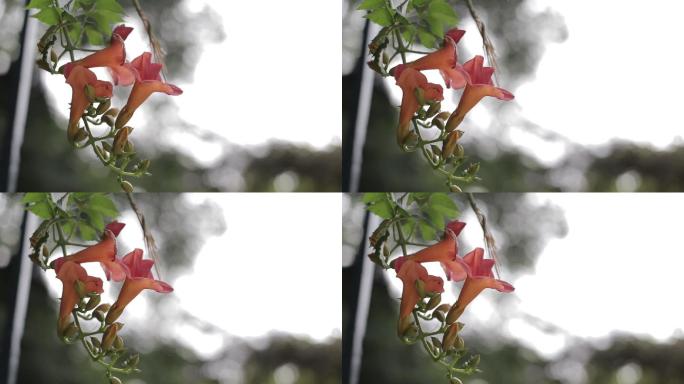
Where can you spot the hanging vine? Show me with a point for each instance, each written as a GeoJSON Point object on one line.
{"type": "Point", "coordinates": [74, 230]}
{"type": "Point", "coordinates": [415, 220]}
{"type": "Point", "coordinates": [410, 27]}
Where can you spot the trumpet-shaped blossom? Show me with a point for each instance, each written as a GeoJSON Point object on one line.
{"type": "Point", "coordinates": [147, 82]}
{"type": "Point", "coordinates": [69, 273]}
{"type": "Point", "coordinates": [79, 77]}
{"type": "Point", "coordinates": [410, 272]}
{"type": "Point", "coordinates": [479, 85]}
{"type": "Point", "coordinates": [113, 57]}
{"type": "Point", "coordinates": [480, 276]}
{"type": "Point", "coordinates": [445, 252]}
{"type": "Point", "coordinates": [139, 278]}
{"type": "Point", "coordinates": [103, 252]}
{"type": "Point", "coordinates": [410, 81]}
{"type": "Point", "coordinates": [445, 60]}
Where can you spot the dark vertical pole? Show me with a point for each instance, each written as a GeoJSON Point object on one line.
{"type": "Point", "coordinates": [356, 137]}
{"type": "Point", "coordinates": [20, 76]}
{"type": "Point", "coordinates": [358, 287]}
{"type": "Point", "coordinates": [20, 270]}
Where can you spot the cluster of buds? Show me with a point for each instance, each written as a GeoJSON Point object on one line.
{"type": "Point", "coordinates": [81, 296]}
{"type": "Point", "coordinates": [87, 89]}
{"type": "Point", "coordinates": [421, 299]}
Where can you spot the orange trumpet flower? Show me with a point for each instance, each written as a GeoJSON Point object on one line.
{"type": "Point", "coordinates": [70, 273]}
{"type": "Point", "coordinates": [79, 78]}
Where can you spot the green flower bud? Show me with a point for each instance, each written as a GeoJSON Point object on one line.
{"type": "Point", "coordinates": [442, 116]}
{"type": "Point", "coordinates": [114, 380]}
{"type": "Point", "coordinates": [120, 140]}
{"type": "Point", "coordinates": [420, 95]}
{"type": "Point", "coordinates": [53, 56]}
{"type": "Point", "coordinates": [118, 343]}
{"type": "Point", "coordinates": [70, 331]}
{"type": "Point", "coordinates": [90, 92]}
{"type": "Point", "coordinates": [112, 112]}
{"type": "Point", "coordinates": [108, 337]}
{"type": "Point", "coordinates": [420, 287]}
{"type": "Point", "coordinates": [454, 313]}
{"type": "Point", "coordinates": [443, 308]}
{"type": "Point", "coordinates": [92, 302]}
{"type": "Point", "coordinates": [434, 301]}
{"type": "Point", "coordinates": [433, 109]}
{"type": "Point", "coordinates": [45, 251]}
{"type": "Point", "coordinates": [449, 337]}
{"type": "Point", "coordinates": [133, 361]}
{"type": "Point", "coordinates": [80, 288]}
{"type": "Point", "coordinates": [437, 122]}
{"type": "Point", "coordinates": [107, 119]}
{"type": "Point", "coordinates": [126, 186]}
{"type": "Point", "coordinates": [103, 107]}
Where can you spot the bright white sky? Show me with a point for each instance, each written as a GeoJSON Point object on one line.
{"type": "Point", "coordinates": [616, 271]}
{"type": "Point", "coordinates": [270, 79]}
{"type": "Point", "coordinates": [276, 268]}
{"type": "Point", "coordinates": [611, 79]}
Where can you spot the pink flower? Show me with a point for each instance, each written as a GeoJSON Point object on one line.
{"type": "Point", "coordinates": [112, 57]}
{"type": "Point", "coordinates": [139, 278]}
{"type": "Point", "coordinates": [445, 60]}
{"type": "Point", "coordinates": [69, 273]}
{"type": "Point", "coordinates": [410, 272]}
{"type": "Point", "coordinates": [445, 252]}
{"type": "Point", "coordinates": [103, 252]}
{"type": "Point", "coordinates": [409, 80]}
{"type": "Point", "coordinates": [79, 77]}
{"type": "Point", "coordinates": [480, 276]}
{"type": "Point", "coordinates": [148, 81]}
{"type": "Point", "coordinates": [479, 85]}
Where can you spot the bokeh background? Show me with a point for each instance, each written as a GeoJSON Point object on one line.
{"type": "Point", "coordinates": [245, 121]}
{"type": "Point", "coordinates": [586, 117]}
{"type": "Point", "coordinates": [597, 280]}
{"type": "Point", "coordinates": [256, 296]}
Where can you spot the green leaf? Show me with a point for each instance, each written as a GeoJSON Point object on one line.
{"type": "Point", "coordinates": [436, 218]}
{"type": "Point", "coordinates": [41, 209]}
{"type": "Point", "coordinates": [104, 205]}
{"type": "Point", "coordinates": [94, 36]}
{"type": "Point", "coordinates": [420, 3]}
{"type": "Point", "coordinates": [426, 38]}
{"type": "Point", "coordinates": [380, 16]}
{"type": "Point", "coordinates": [371, 197]}
{"type": "Point", "coordinates": [408, 227]}
{"type": "Point", "coordinates": [49, 16]}
{"type": "Point", "coordinates": [96, 219]}
{"type": "Point", "coordinates": [105, 19]}
{"type": "Point", "coordinates": [109, 5]}
{"type": "Point", "coordinates": [371, 4]}
{"type": "Point", "coordinates": [441, 9]}
{"type": "Point", "coordinates": [381, 208]}
{"type": "Point", "coordinates": [426, 231]}
{"type": "Point", "coordinates": [86, 232]}
{"type": "Point", "coordinates": [39, 4]}
{"type": "Point", "coordinates": [443, 204]}
{"type": "Point", "coordinates": [33, 197]}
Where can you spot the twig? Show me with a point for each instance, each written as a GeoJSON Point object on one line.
{"type": "Point", "coordinates": [154, 42]}
{"type": "Point", "coordinates": [149, 239]}
{"type": "Point", "coordinates": [490, 243]}
{"type": "Point", "coordinates": [486, 42]}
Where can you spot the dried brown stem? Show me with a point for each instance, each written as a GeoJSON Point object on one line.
{"type": "Point", "coordinates": [150, 244]}
{"type": "Point", "coordinates": [154, 42]}
{"type": "Point", "coordinates": [486, 42]}
{"type": "Point", "coordinates": [490, 243]}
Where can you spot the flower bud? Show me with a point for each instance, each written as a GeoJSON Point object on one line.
{"type": "Point", "coordinates": [53, 56]}
{"type": "Point", "coordinates": [114, 380]}
{"type": "Point", "coordinates": [442, 116]}
{"type": "Point", "coordinates": [42, 64]}
{"type": "Point", "coordinates": [114, 311]}
{"type": "Point", "coordinates": [90, 92]}
{"type": "Point", "coordinates": [69, 331]}
{"type": "Point", "coordinates": [454, 313]}
{"type": "Point", "coordinates": [95, 341]}
{"type": "Point", "coordinates": [103, 308]}
{"type": "Point", "coordinates": [123, 118]}
{"type": "Point", "coordinates": [120, 140]}
{"type": "Point", "coordinates": [129, 148]}
{"type": "Point", "coordinates": [438, 315]}
{"type": "Point", "coordinates": [92, 302]}
{"type": "Point", "coordinates": [112, 112]}
{"type": "Point", "coordinates": [420, 95]}
{"type": "Point", "coordinates": [80, 288]}
{"type": "Point", "coordinates": [107, 119]}
{"type": "Point", "coordinates": [455, 188]}
{"type": "Point", "coordinates": [126, 186]}
{"type": "Point", "coordinates": [437, 122]}
{"type": "Point", "coordinates": [420, 287]}
{"type": "Point", "coordinates": [103, 107]}
{"type": "Point", "coordinates": [144, 165]}
{"type": "Point", "coordinates": [45, 251]}
{"type": "Point", "coordinates": [450, 336]}
{"type": "Point", "coordinates": [443, 308]}
{"type": "Point", "coordinates": [455, 380]}
{"type": "Point", "coordinates": [108, 337]}
{"type": "Point", "coordinates": [403, 325]}
{"type": "Point", "coordinates": [118, 343]}
{"type": "Point", "coordinates": [473, 169]}
{"type": "Point", "coordinates": [449, 144]}
{"type": "Point", "coordinates": [99, 315]}
{"type": "Point", "coordinates": [434, 301]}
{"type": "Point", "coordinates": [433, 109]}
